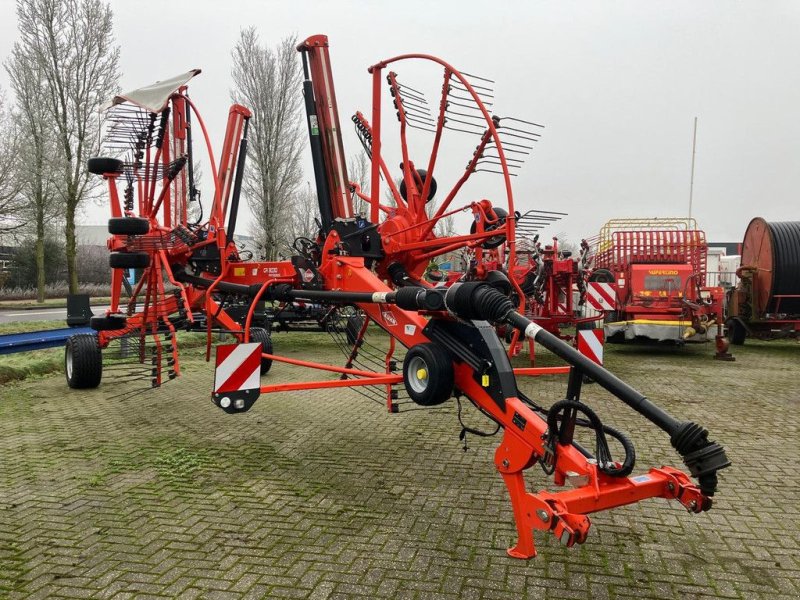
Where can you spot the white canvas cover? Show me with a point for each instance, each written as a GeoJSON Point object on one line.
{"type": "Point", "coordinates": [154, 97]}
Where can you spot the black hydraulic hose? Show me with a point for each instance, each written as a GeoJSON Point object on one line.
{"type": "Point", "coordinates": [703, 457]}
{"type": "Point", "coordinates": [317, 150]}
{"type": "Point", "coordinates": [602, 452]}
{"type": "Point", "coordinates": [481, 301]}
{"type": "Point", "coordinates": [604, 378]}
{"type": "Point", "coordinates": [237, 182]}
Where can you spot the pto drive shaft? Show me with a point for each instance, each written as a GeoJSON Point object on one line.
{"type": "Point", "coordinates": [478, 300]}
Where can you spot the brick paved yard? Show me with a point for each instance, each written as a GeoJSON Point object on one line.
{"type": "Point", "coordinates": [324, 494]}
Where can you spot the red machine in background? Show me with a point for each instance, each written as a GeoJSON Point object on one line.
{"type": "Point", "coordinates": [766, 302]}
{"type": "Point", "coordinates": [373, 267]}
{"type": "Point", "coordinates": [656, 269]}
{"type": "Point", "coordinates": [191, 275]}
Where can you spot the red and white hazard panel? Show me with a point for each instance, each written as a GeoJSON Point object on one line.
{"type": "Point", "coordinates": [237, 379]}
{"type": "Point", "coordinates": [601, 296]}
{"type": "Point", "coordinates": [590, 344]}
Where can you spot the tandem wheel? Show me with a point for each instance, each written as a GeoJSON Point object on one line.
{"type": "Point", "coordinates": [259, 334]}
{"type": "Point", "coordinates": [83, 361]}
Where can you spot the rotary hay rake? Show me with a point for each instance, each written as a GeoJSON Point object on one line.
{"type": "Point", "coordinates": [191, 275]}
{"type": "Point", "coordinates": [374, 263]}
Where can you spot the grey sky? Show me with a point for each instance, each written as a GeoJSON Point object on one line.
{"type": "Point", "coordinates": [617, 85]}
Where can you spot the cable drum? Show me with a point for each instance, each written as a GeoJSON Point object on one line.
{"type": "Point", "coordinates": [773, 249]}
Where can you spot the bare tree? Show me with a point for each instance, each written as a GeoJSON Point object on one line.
{"type": "Point", "coordinates": [304, 222]}
{"type": "Point", "coordinates": [11, 201]}
{"type": "Point", "coordinates": [267, 81]}
{"type": "Point", "coordinates": [35, 157]}
{"type": "Point", "coordinates": [71, 44]}
{"type": "Point", "coordinates": [358, 168]}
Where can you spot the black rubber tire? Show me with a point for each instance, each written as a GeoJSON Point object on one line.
{"type": "Point", "coordinates": [128, 226]}
{"type": "Point", "coordinates": [353, 328]}
{"type": "Point", "coordinates": [108, 323]}
{"type": "Point", "coordinates": [493, 242]}
{"type": "Point", "coordinates": [437, 384]}
{"type": "Point", "coordinates": [602, 276]}
{"type": "Point", "coordinates": [129, 260]}
{"type": "Point", "coordinates": [423, 175]}
{"type": "Point", "coordinates": [736, 332]}
{"type": "Point", "coordinates": [259, 334]}
{"type": "Point", "coordinates": [83, 361]}
{"type": "Point", "coordinates": [101, 166]}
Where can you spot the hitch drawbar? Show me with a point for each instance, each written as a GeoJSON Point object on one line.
{"type": "Point", "coordinates": [460, 328]}
{"type": "Point", "coordinates": [473, 301]}
{"type": "Point", "coordinates": [478, 300]}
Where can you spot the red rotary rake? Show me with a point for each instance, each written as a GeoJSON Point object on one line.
{"type": "Point", "coordinates": [191, 275]}
{"type": "Point", "coordinates": [374, 264]}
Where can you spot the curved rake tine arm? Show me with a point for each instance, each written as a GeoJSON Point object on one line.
{"type": "Point", "coordinates": [457, 187]}
{"type": "Point", "coordinates": [435, 148]}
{"type": "Point", "coordinates": [401, 114]}
{"type": "Point", "coordinates": [161, 148]}
{"type": "Point", "coordinates": [362, 121]}
{"type": "Point", "coordinates": [491, 128]}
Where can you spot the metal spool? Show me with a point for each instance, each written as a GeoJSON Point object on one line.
{"type": "Point", "coordinates": [774, 250]}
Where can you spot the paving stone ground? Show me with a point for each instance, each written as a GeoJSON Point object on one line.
{"type": "Point", "coordinates": [324, 495]}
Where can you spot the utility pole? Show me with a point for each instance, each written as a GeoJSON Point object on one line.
{"type": "Point", "coordinates": [691, 181]}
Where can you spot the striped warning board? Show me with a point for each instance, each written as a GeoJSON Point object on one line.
{"type": "Point", "coordinates": [590, 344]}
{"type": "Point", "coordinates": [601, 296]}
{"type": "Point", "coordinates": [237, 379]}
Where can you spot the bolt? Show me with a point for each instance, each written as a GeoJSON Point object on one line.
{"type": "Point", "coordinates": [505, 463]}
{"type": "Point", "coordinates": [671, 486]}
{"type": "Point", "coordinates": [543, 515]}
{"type": "Point", "coordinates": [693, 505]}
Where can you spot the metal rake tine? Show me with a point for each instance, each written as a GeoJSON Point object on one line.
{"type": "Point", "coordinates": [492, 171]}
{"type": "Point", "coordinates": [517, 136]}
{"type": "Point", "coordinates": [461, 130]}
{"type": "Point", "coordinates": [477, 77]}
{"type": "Point", "coordinates": [480, 94]}
{"type": "Point", "coordinates": [549, 212]}
{"type": "Point", "coordinates": [408, 87]}
{"type": "Point", "coordinates": [523, 121]}
{"type": "Point", "coordinates": [508, 158]}
{"type": "Point", "coordinates": [531, 133]}
{"type": "Point", "coordinates": [474, 86]}
{"type": "Point", "coordinates": [486, 102]}
{"type": "Point", "coordinates": [514, 145]}
{"type": "Point", "coordinates": [467, 106]}
{"type": "Point", "coordinates": [492, 162]}
{"type": "Point", "coordinates": [421, 128]}
{"type": "Point", "coordinates": [418, 114]}
{"type": "Point", "coordinates": [466, 123]}
{"type": "Point", "coordinates": [478, 116]}
{"type": "Point", "coordinates": [412, 119]}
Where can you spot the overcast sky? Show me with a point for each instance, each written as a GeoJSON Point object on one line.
{"type": "Point", "coordinates": [617, 85]}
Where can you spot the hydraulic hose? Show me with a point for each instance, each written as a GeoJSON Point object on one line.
{"type": "Point", "coordinates": [703, 457]}
{"type": "Point", "coordinates": [478, 300]}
